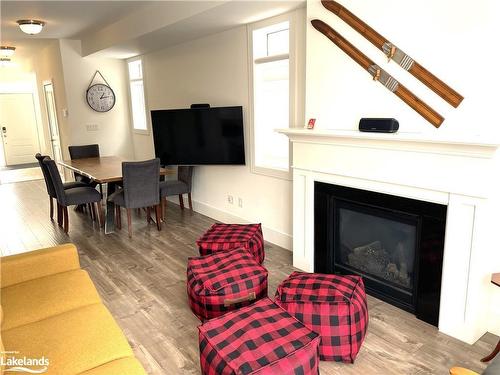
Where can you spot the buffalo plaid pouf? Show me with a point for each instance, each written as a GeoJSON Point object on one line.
{"type": "Point", "coordinates": [258, 339]}
{"type": "Point", "coordinates": [233, 236]}
{"type": "Point", "coordinates": [224, 281]}
{"type": "Point", "coordinates": [331, 305]}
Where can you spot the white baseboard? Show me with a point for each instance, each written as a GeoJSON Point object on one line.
{"type": "Point", "coordinates": [271, 235]}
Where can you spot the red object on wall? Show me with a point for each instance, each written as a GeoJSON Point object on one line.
{"type": "Point", "coordinates": [310, 123]}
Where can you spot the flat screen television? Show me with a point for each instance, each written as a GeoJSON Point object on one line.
{"type": "Point", "coordinates": [199, 136]}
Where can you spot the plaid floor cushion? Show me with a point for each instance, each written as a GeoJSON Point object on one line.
{"type": "Point", "coordinates": [224, 281]}
{"type": "Point", "coordinates": [258, 339]}
{"type": "Point", "coordinates": [233, 236]}
{"type": "Point", "coordinates": [331, 305]}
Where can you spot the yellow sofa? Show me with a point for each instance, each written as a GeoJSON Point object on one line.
{"type": "Point", "coordinates": [52, 310]}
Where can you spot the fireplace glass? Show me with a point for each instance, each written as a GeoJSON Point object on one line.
{"type": "Point", "coordinates": [378, 244]}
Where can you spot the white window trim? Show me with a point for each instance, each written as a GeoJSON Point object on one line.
{"type": "Point", "coordinates": [291, 18]}
{"type": "Point", "coordinates": [146, 131]}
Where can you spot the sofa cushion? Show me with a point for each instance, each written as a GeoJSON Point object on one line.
{"type": "Point", "coordinates": [38, 299]}
{"type": "Point", "coordinates": [122, 366]}
{"type": "Point", "coordinates": [22, 267]}
{"type": "Point", "coordinates": [74, 341]}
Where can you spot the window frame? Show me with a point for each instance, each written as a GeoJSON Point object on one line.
{"type": "Point", "coordinates": [146, 131]}
{"type": "Point", "coordinates": [292, 84]}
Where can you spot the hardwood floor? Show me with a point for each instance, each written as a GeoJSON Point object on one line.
{"type": "Point", "coordinates": [142, 281]}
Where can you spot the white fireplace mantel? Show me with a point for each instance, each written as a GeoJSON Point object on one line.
{"type": "Point", "coordinates": [456, 173]}
{"type": "Point", "coordinates": [470, 146]}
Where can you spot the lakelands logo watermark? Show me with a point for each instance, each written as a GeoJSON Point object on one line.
{"type": "Point", "coordinates": [11, 361]}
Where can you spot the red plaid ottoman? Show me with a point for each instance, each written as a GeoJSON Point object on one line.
{"type": "Point", "coordinates": [224, 281]}
{"type": "Point", "coordinates": [258, 339]}
{"type": "Point", "coordinates": [331, 305]}
{"type": "Point", "coordinates": [233, 236]}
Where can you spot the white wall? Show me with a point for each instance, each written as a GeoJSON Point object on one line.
{"type": "Point", "coordinates": [445, 37]}
{"type": "Point", "coordinates": [214, 70]}
{"type": "Point", "coordinates": [113, 134]}
{"type": "Point", "coordinates": [48, 66]}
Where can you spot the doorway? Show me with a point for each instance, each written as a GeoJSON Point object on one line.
{"type": "Point", "coordinates": [18, 128]}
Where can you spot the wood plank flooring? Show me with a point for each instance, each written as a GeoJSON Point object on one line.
{"type": "Point", "coordinates": [142, 281]}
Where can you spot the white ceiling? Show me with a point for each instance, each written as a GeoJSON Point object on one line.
{"type": "Point", "coordinates": [65, 19]}
{"type": "Point", "coordinates": [154, 24]}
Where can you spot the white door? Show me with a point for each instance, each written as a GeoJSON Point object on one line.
{"type": "Point", "coordinates": [48, 89]}
{"type": "Point", "coordinates": [18, 128]}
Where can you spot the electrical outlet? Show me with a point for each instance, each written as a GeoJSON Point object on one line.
{"type": "Point", "coordinates": [92, 127]}
{"type": "Point", "coordinates": [240, 202]}
{"type": "Point", "coordinates": [230, 199]}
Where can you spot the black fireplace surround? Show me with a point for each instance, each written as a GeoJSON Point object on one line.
{"type": "Point", "coordinates": [396, 244]}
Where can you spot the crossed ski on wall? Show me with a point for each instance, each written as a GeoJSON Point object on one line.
{"type": "Point", "coordinates": [394, 53]}
{"type": "Point", "coordinates": [379, 74]}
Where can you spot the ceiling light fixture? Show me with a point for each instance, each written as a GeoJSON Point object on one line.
{"type": "Point", "coordinates": [31, 27]}
{"type": "Point", "coordinates": [7, 51]}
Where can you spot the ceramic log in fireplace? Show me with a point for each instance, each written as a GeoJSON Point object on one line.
{"type": "Point", "coordinates": [395, 243]}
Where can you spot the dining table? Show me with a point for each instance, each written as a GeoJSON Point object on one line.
{"type": "Point", "coordinates": [105, 170]}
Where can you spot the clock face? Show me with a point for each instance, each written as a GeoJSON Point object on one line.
{"type": "Point", "coordinates": [100, 97]}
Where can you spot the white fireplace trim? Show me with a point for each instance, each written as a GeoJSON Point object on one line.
{"type": "Point", "coordinates": [469, 147]}
{"type": "Point", "coordinates": [339, 160]}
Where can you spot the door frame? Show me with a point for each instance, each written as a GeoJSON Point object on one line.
{"type": "Point", "coordinates": [46, 83]}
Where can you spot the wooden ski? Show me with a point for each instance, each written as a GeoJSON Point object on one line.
{"type": "Point", "coordinates": [380, 75]}
{"type": "Point", "coordinates": [394, 53]}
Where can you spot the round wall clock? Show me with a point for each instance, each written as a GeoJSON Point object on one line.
{"type": "Point", "coordinates": [100, 97]}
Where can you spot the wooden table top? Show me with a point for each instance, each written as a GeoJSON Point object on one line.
{"type": "Point", "coordinates": [103, 169]}
{"type": "Point", "coordinates": [495, 279]}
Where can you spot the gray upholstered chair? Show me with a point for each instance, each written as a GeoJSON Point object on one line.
{"type": "Point", "coordinates": [178, 187]}
{"type": "Point", "coordinates": [74, 196]}
{"type": "Point", "coordinates": [50, 187]}
{"type": "Point", "coordinates": [83, 152]}
{"type": "Point", "coordinates": [141, 189]}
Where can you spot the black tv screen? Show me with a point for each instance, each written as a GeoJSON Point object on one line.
{"type": "Point", "coordinates": [199, 136]}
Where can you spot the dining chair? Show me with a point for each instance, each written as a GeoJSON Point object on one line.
{"type": "Point", "coordinates": [141, 189]}
{"type": "Point", "coordinates": [50, 187]}
{"type": "Point", "coordinates": [83, 152]}
{"type": "Point", "coordinates": [74, 196]}
{"type": "Point", "coordinates": [177, 187]}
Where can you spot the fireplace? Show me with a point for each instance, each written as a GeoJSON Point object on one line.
{"type": "Point", "coordinates": [455, 174]}
{"type": "Point", "coordinates": [396, 244]}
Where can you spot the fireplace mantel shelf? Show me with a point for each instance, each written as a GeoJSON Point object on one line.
{"type": "Point", "coordinates": [471, 147]}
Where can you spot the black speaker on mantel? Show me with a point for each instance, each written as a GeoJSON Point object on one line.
{"type": "Point", "coordinates": [378, 125]}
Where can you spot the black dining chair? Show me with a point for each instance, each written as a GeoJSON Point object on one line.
{"type": "Point", "coordinates": [83, 152]}
{"type": "Point", "coordinates": [177, 187]}
{"type": "Point", "coordinates": [50, 187]}
{"type": "Point", "coordinates": [141, 189]}
{"type": "Point", "coordinates": [74, 196]}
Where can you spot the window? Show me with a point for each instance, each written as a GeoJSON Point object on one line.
{"type": "Point", "coordinates": [271, 101]}
{"type": "Point", "coordinates": [137, 101]}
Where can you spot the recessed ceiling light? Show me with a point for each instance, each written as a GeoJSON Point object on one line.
{"type": "Point", "coordinates": [31, 27]}
{"type": "Point", "coordinates": [7, 51]}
